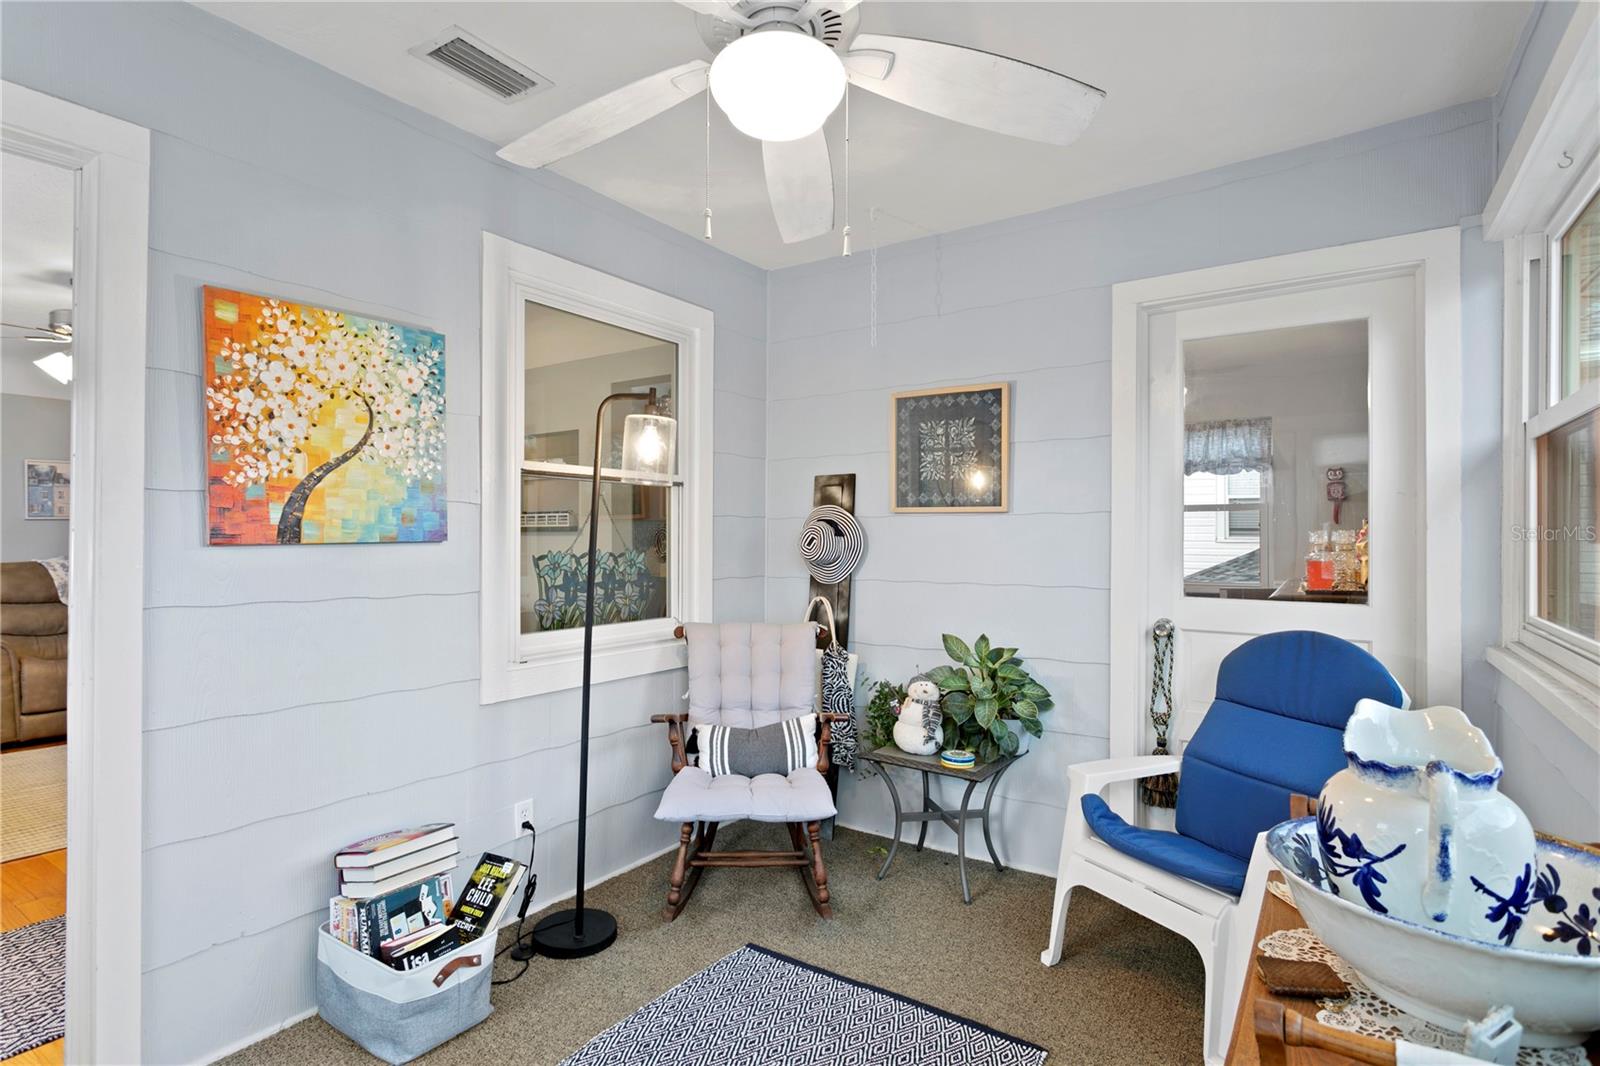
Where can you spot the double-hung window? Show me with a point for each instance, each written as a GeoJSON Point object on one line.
{"type": "Point", "coordinates": [1546, 208]}
{"type": "Point", "coordinates": [559, 339]}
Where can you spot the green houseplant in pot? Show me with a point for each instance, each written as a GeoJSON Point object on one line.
{"type": "Point", "coordinates": [990, 701]}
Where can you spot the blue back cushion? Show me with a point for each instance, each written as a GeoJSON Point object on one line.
{"type": "Point", "coordinates": [1276, 727]}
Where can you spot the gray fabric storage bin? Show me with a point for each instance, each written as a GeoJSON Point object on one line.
{"type": "Point", "coordinates": [399, 1014]}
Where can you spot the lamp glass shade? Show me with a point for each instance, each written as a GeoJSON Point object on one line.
{"type": "Point", "coordinates": [649, 444]}
{"type": "Point", "coordinates": [777, 85]}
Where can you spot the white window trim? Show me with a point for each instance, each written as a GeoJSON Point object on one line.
{"type": "Point", "coordinates": [1553, 170]}
{"type": "Point", "coordinates": [514, 666]}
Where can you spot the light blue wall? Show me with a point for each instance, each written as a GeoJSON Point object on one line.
{"type": "Point", "coordinates": [1546, 23]}
{"type": "Point", "coordinates": [297, 699]}
{"type": "Point", "coordinates": [1029, 300]}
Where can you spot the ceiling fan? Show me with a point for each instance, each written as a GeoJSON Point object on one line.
{"type": "Point", "coordinates": [779, 70]}
{"type": "Point", "coordinates": [58, 330]}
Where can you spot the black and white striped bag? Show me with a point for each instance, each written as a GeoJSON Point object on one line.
{"type": "Point", "coordinates": [837, 691]}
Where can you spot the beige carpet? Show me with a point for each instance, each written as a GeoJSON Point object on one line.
{"type": "Point", "coordinates": [1126, 992]}
{"type": "Point", "coordinates": [33, 801]}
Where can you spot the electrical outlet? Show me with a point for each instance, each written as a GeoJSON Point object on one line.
{"type": "Point", "coordinates": [522, 812]}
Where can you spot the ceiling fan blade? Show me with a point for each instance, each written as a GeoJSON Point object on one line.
{"type": "Point", "coordinates": [606, 116]}
{"type": "Point", "coordinates": [992, 92]}
{"type": "Point", "coordinates": [800, 183]}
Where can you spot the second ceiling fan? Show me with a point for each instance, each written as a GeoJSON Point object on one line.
{"type": "Point", "coordinates": [780, 68]}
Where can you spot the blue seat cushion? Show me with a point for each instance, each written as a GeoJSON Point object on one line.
{"type": "Point", "coordinates": [1172, 852]}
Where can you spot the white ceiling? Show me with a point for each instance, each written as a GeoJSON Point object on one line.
{"type": "Point", "coordinates": [35, 267]}
{"type": "Point", "coordinates": [1191, 86]}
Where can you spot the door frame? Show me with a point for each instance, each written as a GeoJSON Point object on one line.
{"type": "Point", "coordinates": [105, 640]}
{"type": "Point", "coordinates": [1433, 259]}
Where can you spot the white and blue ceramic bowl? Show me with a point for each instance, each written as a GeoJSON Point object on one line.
{"type": "Point", "coordinates": [1551, 980]}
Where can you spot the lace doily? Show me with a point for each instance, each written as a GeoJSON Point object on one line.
{"type": "Point", "coordinates": [1365, 1012]}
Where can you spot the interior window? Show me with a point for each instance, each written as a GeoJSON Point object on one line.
{"type": "Point", "coordinates": [1566, 440]}
{"type": "Point", "coordinates": [572, 363]}
{"type": "Point", "coordinates": [1275, 464]}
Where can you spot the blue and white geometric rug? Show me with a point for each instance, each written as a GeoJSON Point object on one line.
{"type": "Point", "coordinates": [756, 1007]}
{"type": "Point", "coordinates": [33, 986]}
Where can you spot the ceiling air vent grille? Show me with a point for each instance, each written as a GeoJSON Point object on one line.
{"type": "Point", "coordinates": [476, 62]}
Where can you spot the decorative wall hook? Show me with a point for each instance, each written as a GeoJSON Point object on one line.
{"type": "Point", "coordinates": [1566, 161]}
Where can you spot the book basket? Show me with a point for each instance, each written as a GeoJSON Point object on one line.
{"type": "Point", "coordinates": [399, 1014]}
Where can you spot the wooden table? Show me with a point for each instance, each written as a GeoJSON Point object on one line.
{"type": "Point", "coordinates": [889, 755]}
{"type": "Point", "coordinates": [1276, 915]}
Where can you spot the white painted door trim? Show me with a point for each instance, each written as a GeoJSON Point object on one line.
{"type": "Point", "coordinates": [1433, 258]}
{"type": "Point", "coordinates": [105, 665]}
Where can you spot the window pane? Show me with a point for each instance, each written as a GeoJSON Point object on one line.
{"type": "Point", "coordinates": [572, 363]}
{"type": "Point", "coordinates": [1275, 450]}
{"type": "Point", "coordinates": [1580, 301]}
{"type": "Point", "coordinates": [631, 570]}
{"type": "Point", "coordinates": [1569, 558]}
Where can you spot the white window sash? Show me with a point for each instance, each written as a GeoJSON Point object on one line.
{"type": "Point", "coordinates": [515, 664]}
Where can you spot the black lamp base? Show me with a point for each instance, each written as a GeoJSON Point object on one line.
{"type": "Point", "coordinates": [556, 936]}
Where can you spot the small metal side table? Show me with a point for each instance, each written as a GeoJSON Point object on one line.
{"type": "Point", "coordinates": [991, 772]}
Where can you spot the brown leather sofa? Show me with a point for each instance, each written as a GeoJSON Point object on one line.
{"type": "Point", "coordinates": [33, 655]}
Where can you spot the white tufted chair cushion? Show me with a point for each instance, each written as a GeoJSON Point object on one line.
{"type": "Point", "coordinates": [748, 675]}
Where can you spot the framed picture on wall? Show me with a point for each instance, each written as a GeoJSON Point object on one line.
{"type": "Point", "coordinates": [49, 488]}
{"type": "Point", "coordinates": [950, 449]}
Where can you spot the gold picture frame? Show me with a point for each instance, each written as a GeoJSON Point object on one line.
{"type": "Point", "coordinates": [950, 450]}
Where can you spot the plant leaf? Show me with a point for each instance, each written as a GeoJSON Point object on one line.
{"type": "Point", "coordinates": [957, 648]}
{"type": "Point", "coordinates": [999, 730]}
{"type": "Point", "coordinates": [958, 707]}
{"type": "Point", "coordinates": [1026, 709]}
{"type": "Point", "coordinates": [1009, 742]}
{"type": "Point", "coordinates": [987, 712]}
{"type": "Point", "coordinates": [980, 650]}
{"type": "Point", "coordinates": [1011, 672]}
{"type": "Point", "coordinates": [988, 750]}
{"type": "Point", "coordinates": [982, 687]}
{"type": "Point", "coordinates": [948, 678]}
{"type": "Point", "coordinates": [952, 733]}
{"type": "Point", "coordinates": [1032, 725]}
{"type": "Point", "coordinates": [1035, 691]}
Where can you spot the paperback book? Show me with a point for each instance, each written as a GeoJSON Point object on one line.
{"type": "Point", "coordinates": [489, 891]}
{"type": "Point", "coordinates": [386, 847]}
{"type": "Point", "coordinates": [365, 924]}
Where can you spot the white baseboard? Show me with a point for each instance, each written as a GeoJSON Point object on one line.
{"type": "Point", "coordinates": [972, 856]}
{"type": "Point", "coordinates": [255, 1038]}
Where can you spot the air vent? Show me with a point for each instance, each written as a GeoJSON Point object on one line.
{"type": "Point", "coordinates": [473, 61]}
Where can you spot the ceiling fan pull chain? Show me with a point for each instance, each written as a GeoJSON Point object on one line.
{"type": "Point", "coordinates": [847, 168]}
{"type": "Point", "coordinates": [708, 164]}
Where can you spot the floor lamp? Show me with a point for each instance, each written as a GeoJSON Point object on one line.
{"type": "Point", "coordinates": [647, 454]}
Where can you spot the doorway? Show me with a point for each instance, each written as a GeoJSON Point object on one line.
{"type": "Point", "coordinates": [36, 248]}
{"type": "Point", "coordinates": [101, 485]}
{"type": "Point", "coordinates": [1286, 456]}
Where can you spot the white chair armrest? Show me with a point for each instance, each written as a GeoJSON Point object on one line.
{"type": "Point", "coordinates": [1090, 777]}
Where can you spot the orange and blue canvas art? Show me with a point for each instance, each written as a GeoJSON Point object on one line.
{"type": "Point", "coordinates": [322, 426]}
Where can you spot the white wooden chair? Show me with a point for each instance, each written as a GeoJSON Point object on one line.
{"type": "Point", "coordinates": [1274, 730]}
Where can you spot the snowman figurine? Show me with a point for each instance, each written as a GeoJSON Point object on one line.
{"type": "Point", "coordinates": [921, 725]}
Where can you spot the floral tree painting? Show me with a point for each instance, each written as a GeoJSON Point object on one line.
{"type": "Point", "coordinates": [322, 427]}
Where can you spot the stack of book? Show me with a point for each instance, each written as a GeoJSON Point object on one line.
{"type": "Point", "coordinates": [395, 900]}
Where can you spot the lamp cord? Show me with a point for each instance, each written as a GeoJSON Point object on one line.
{"type": "Point", "coordinates": [522, 911]}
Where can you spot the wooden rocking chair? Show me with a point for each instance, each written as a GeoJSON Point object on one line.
{"type": "Point", "coordinates": [747, 676]}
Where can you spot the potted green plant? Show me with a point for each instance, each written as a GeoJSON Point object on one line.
{"type": "Point", "coordinates": [883, 710]}
{"type": "Point", "coordinates": [991, 703]}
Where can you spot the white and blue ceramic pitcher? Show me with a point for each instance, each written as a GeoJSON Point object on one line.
{"type": "Point", "coordinates": [1416, 827]}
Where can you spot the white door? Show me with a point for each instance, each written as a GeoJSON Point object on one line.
{"type": "Point", "coordinates": [1255, 408]}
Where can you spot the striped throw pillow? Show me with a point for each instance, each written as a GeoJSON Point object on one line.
{"type": "Point", "coordinates": [780, 748]}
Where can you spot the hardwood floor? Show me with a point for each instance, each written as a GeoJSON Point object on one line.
{"type": "Point", "coordinates": [32, 890]}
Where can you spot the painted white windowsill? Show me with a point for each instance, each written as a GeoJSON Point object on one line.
{"type": "Point", "coordinates": [1573, 700]}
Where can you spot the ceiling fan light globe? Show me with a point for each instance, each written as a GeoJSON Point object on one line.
{"type": "Point", "coordinates": [777, 85]}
